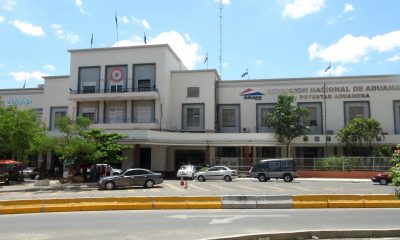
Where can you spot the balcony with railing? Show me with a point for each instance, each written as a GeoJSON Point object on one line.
{"type": "Point", "coordinates": [114, 93]}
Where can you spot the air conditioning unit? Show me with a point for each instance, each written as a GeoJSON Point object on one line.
{"type": "Point", "coordinates": [246, 130]}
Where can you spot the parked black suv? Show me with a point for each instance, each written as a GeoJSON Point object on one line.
{"type": "Point", "coordinates": [274, 168]}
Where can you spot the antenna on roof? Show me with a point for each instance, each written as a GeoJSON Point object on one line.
{"type": "Point", "coordinates": [220, 37]}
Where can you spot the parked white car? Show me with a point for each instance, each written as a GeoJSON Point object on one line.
{"type": "Point", "coordinates": [187, 171]}
{"type": "Point", "coordinates": [216, 173]}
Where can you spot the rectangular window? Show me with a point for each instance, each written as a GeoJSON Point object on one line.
{"type": "Point", "coordinates": [193, 92]}
{"type": "Point", "coordinates": [263, 110]}
{"type": "Point", "coordinates": [144, 85]}
{"type": "Point", "coordinates": [396, 107]}
{"type": "Point", "coordinates": [115, 112]}
{"type": "Point", "coordinates": [144, 77]}
{"type": "Point", "coordinates": [314, 118]}
{"type": "Point", "coordinates": [311, 119]}
{"type": "Point", "coordinates": [55, 113]}
{"type": "Point", "coordinates": [228, 118]}
{"type": "Point", "coordinates": [116, 78]}
{"type": "Point", "coordinates": [193, 117]}
{"type": "Point", "coordinates": [354, 110]}
{"type": "Point", "coordinates": [143, 111]}
{"type": "Point", "coordinates": [89, 79]}
{"type": "Point", "coordinates": [89, 110]}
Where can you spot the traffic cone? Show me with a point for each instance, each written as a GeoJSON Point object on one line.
{"type": "Point", "coordinates": [186, 185]}
{"type": "Point", "coordinates": [182, 183]}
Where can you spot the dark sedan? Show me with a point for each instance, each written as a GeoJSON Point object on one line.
{"type": "Point", "coordinates": [382, 178]}
{"type": "Point", "coordinates": [131, 177]}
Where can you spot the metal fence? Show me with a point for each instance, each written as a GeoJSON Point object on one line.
{"type": "Point", "coordinates": [315, 164]}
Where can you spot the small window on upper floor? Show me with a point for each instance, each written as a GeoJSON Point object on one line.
{"type": "Point", "coordinates": [193, 92]}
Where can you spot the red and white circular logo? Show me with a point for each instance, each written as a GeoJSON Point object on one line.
{"type": "Point", "coordinates": [117, 74]}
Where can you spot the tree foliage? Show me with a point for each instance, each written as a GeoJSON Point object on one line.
{"type": "Point", "coordinates": [395, 171]}
{"type": "Point", "coordinates": [287, 120]}
{"type": "Point", "coordinates": [359, 135]}
{"type": "Point", "coordinates": [81, 145]}
{"type": "Point", "coordinates": [18, 128]}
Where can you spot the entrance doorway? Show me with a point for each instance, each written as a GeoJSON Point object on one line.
{"type": "Point", "coordinates": [145, 158]}
{"type": "Point", "coordinates": [192, 157]}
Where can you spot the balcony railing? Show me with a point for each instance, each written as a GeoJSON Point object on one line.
{"type": "Point", "coordinates": [119, 90]}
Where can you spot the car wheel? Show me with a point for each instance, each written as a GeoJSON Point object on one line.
{"type": "Point", "coordinates": [201, 178]}
{"type": "Point", "coordinates": [109, 185]}
{"type": "Point", "coordinates": [287, 177]}
{"type": "Point", "coordinates": [227, 178]}
{"type": "Point", "coordinates": [383, 181]}
{"type": "Point", "coordinates": [149, 184]}
{"type": "Point", "coordinates": [262, 178]}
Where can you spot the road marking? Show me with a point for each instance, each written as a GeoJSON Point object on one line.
{"type": "Point", "coordinates": [223, 219]}
{"type": "Point", "coordinates": [222, 188]}
{"type": "Point", "coordinates": [249, 188]}
{"type": "Point", "coordinates": [277, 189]}
{"type": "Point", "coordinates": [198, 188]}
{"type": "Point", "coordinates": [179, 189]}
{"type": "Point", "coordinates": [302, 189]}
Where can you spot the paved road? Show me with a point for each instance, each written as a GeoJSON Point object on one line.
{"type": "Point", "coordinates": [195, 188]}
{"type": "Point", "coordinates": [189, 224]}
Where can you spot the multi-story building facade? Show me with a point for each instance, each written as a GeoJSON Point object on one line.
{"type": "Point", "coordinates": [173, 115]}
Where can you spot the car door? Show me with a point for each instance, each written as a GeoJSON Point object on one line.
{"type": "Point", "coordinates": [139, 177]}
{"type": "Point", "coordinates": [126, 179]}
{"type": "Point", "coordinates": [212, 173]}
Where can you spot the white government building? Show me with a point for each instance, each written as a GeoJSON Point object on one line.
{"type": "Point", "coordinates": [173, 115]}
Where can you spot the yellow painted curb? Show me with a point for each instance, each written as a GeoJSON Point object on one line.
{"type": "Point", "coordinates": [204, 202]}
{"type": "Point", "coordinates": [345, 201]}
{"type": "Point", "coordinates": [381, 201]}
{"type": "Point", "coordinates": [309, 201]}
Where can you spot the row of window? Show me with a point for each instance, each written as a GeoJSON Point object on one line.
{"type": "Point", "coordinates": [116, 80]}
{"type": "Point", "coordinates": [228, 116]}
{"type": "Point", "coordinates": [114, 112]}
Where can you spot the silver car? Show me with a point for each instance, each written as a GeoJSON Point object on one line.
{"type": "Point", "coordinates": [131, 177]}
{"type": "Point", "coordinates": [187, 171]}
{"type": "Point", "coordinates": [216, 173]}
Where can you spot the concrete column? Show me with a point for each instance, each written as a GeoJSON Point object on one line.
{"type": "Point", "coordinates": [137, 156]}
{"type": "Point", "coordinates": [246, 161]}
{"type": "Point", "coordinates": [207, 153]}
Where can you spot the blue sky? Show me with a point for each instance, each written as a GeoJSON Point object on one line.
{"type": "Point", "coordinates": [270, 38]}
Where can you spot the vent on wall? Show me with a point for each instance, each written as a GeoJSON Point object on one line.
{"type": "Point", "coordinates": [329, 132]}
{"type": "Point", "coordinates": [246, 130]}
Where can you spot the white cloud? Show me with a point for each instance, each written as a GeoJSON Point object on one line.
{"type": "Point", "coordinates": [335, 71]}
{"type": "Point", "coordinates": [188, 52]}
{"type": "Point", "coordinates": [28, 28]}
{"type": "Point", "coordinates": [348, 8]}
{"type": "Point", "coordinates": [300, 8]}
{"type": "Point", "coordinates": [21, 76]}
{"type": "Point", "coordinates": [9, 5]}
{"type": "Point", "coordinates": [1, 19]}
{"type": "Point", "coordinates": [124, 19]}
{"type": "Point", "coordinates": [224, 2]}
{"type": "Point", "coordinates": [61, 34]}
{"type": "Point", "coordinates": [394, 58]}
{"type": "Point", "coordinates": [49, 67]}
{"type": "Point", "coordinates": [79, 5]}
{"type": "Point", "coordinates": [142, 22]}
{"type": "Point", "coordinates": [353, 49]}
{"type": "Point", "coordinates": [259, 62]}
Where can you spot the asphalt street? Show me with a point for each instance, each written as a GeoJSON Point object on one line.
{"type": "Point", "coordinates": [195, 188]}
{"type": "Point", "coordinates": [189, 224]}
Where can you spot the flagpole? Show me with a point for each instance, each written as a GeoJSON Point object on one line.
{"type": "Point", "coordinates": [116, 26]}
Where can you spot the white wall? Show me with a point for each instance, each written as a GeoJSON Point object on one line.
{"type": "Point", "coordinates": [56, 91]}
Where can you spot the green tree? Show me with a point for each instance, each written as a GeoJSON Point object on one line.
{"type": "Point", "coordinates": [359, 135]}
{"type": "Point", "coordinates": [18, 127]}
{"type": "Point", "coordinates": [287, 120]}
{"type": "Point", "coordinates": [108, 150]}
{"type": "Point", "coordinates": [395, 171]}
{"type": "Point", "coordinates": [72, 147]}
{"type": "Point", "coordinates": [41, 145]}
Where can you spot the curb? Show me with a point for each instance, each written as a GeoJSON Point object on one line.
{"type": "Point", "coordinates": [330, 234]}
{"type": "Point", "coordinates": [198, 202]}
